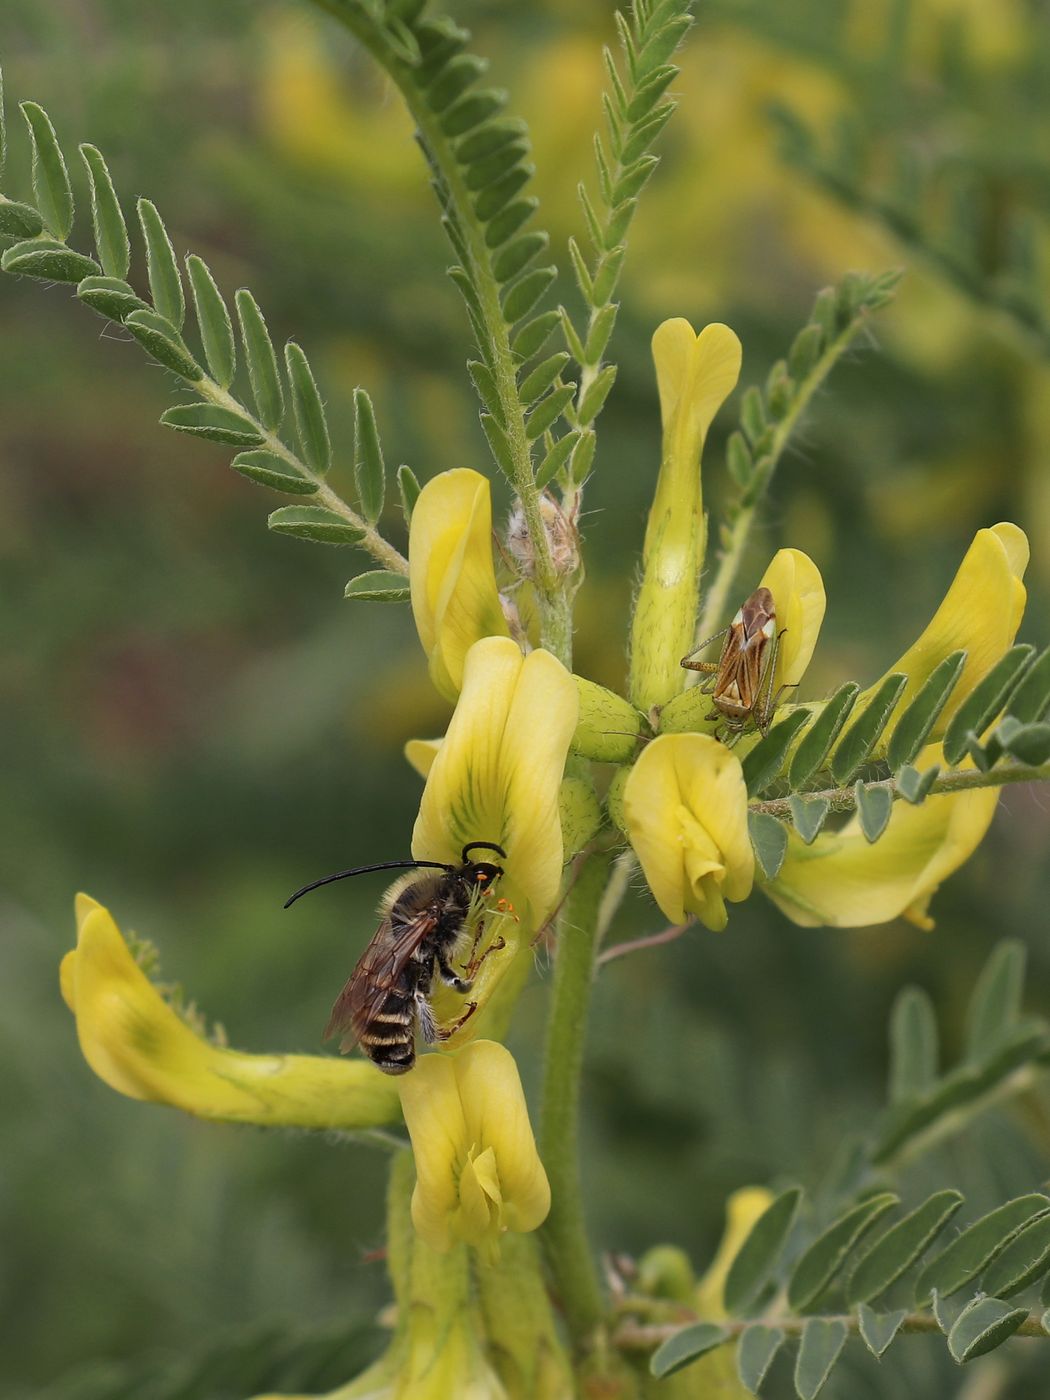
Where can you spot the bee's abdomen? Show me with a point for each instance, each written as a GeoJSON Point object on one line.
{"type": "Point", "coordinates": [389, 1037]}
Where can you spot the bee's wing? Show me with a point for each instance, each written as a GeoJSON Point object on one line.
{"type": "Point", "coordinates": [375, 976]}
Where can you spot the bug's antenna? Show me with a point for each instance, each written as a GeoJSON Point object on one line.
{"type": "Point", "coordinates": [365, 870]}
{"type": "Point", "coordinates": [482, 846]}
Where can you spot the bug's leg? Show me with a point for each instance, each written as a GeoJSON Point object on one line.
{"type": "Point", "coordinates": [449, 975]}
{"type": "Point", "coordinates": [496, 946]}
{"type": "Point", "coordinates": [691, 665]}
{"type": "Point", "coordinates": [443, 1032]}
{"type": "Point", "coordinates": [428, 1027]}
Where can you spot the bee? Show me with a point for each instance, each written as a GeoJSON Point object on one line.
{"type": "Point", "coordinates": [746, 667]}
{"type": "Point", "coordinates": [424, 918]}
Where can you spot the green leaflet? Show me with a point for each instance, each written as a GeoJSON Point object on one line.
{"type": "Point", "coordinates": [963, 1259]}
{"type": "Point", "coordinates": [909, 733]}
{"type": "Point", "coordinates": [213, 318]}
{"type": "Point", "coordinates": [874, 808]}
{"type": "Point", "coordinates": [755, 1352]}
{"type": "Point", "coordinates": [110, 297]}
{"type": "Point", "coordinates": [1030, 743]}
{"type": "Point", "coordinates": [913, 1045]}
{"type": "Point", "coordinates": [261, 358]}
{"type": "Point", "coordinates": [814, 747]}
{"type": "Point", "coordinates": [896, 1251]}
{"type": "Point", "coordinates": [208, 420]}
{"type": "Point", "coordinates": [764, 761]}
{"type": "Point", "coordinates": [821, 1346]}
{"type": "Point", "coordinates": [769, 839]}
{"type": "Point", "coordinates": [165, 284]}
{"type": "Point", "coordinates": [1031, 698]}
{"type": "Point", "coordinates": [1023, 1260]}
{"type": "Point", "coordinates": [914, 786]}
{"type": "Point", "coordinates": [19, 220]}
{"type": "Point", "coordinates": [555, 459]}
{"type": "Point", "coordinates": [159, 338]}
{"type": "Point", "coordinates": [685, 1347]}
{"type": "Point", "coordinates": [539, 380]}
{"type": "Point", "coordinates": [534, 334]}
{"type": "Point", "coordinates": [270, 470]}
{"type": "Point", "coordinates": [829, 1251]}
{"type": "Point", "coordinates": [314, 523]}
{"type": "Point", "coordinates": [379, 586]}
{"type": "Point", "coordinates": [808, 814]}
{"type": "Point", "coordinates": [985, 701]}
{"type": "Point", "coordinates": [310, 421]}
{"type": "Point", "coordinates": [409, 489]}
{"type": "Point", "coordinates": [48, 260]}
{"type": "Point", "coordinates": [548, 410]}
{"type": "Point", "coordinates": [521, 296]}
{"type": "Point", "coordinates": [879, 1329]}
{"type": "Point", "coordinates": [111, 232]}
{"type": "Point", "coordinates": [369, 467]}
{"type": "Point", "coordinates": [51, 187]}
{"type": "Point", "coordinates": [995, 1006]}
{"type": "Point", "coordinates": [984, 1325]}
{"type": "Point", "coordinates": [862, 735]}
{"type": "Point", "coordinates": [758, 1256]}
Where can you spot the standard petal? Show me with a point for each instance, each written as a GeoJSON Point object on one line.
{"type": "Point", "coordinates": [843, 881]}
{"type": "Point", "coordinates": [137, 1043]}
{"type": "Point", "coordinates": [799, 598]}
{"type": "Point", "coordinates": [980, 614]}
{"type": "Point", "coordinates": [455, 600]}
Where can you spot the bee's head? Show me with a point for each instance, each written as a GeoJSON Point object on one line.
{"type": "Point", "coordinates": [483, 873]}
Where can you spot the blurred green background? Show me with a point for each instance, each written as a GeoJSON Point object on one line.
{"type": "Point", "coordinates": [195, 722]}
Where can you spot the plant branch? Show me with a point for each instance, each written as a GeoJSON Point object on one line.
{"type": "Point", "coordinates": [564, 1234]}
{"type": "Point", "coordinates": [371, 539]}
{"type": "Point", "coordinates": [844, 799]}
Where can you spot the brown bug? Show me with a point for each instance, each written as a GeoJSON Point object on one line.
{"type": "Point", "coordinates": [424, 917]}
{"type": "Point", "coordinates": [741, 687]}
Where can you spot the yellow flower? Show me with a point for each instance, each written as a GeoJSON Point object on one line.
{"type": "Point", "coordinates": [695, 374]}
{"type": "Point", "coordinates": [844, 881]}
{"type": "Point", "coordinates": [138, 1044]}
{"type": "Point", "coordinates": [685, 806]}
{"type": "Point", "coordinates": [455, 600]}
{"type": "Point", "coordinates": [980, 614]}
{"type": "Point", "coordinates": [477, 1169]}
{"type": "Point", "coordinates": [497, 774]}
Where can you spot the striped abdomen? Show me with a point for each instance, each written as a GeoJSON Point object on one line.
{"type": "Point", "coordinates": [389, 1038]}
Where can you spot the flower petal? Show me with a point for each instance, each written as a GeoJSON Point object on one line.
{"type": "Point", "coordinates": [980, 614]}
{"type": "Point", "coordinates": [799, 598]}
{"type": "Point", "coordinates": [137, 1043]}
{"type": "Point", "coordinates": [455, 600]}
{"type": "Point", "coordinates": [685, 805]}
{"type": "Point", "coordinates": [843, 881]}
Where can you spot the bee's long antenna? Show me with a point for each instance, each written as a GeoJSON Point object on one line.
{"type": "Point", "coordinates": [367, 869]}
{"type": "Point", "coordinates": [483, 846]}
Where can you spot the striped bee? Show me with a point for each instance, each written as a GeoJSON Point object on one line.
{"type": "Point", "coordinates": [423, 919]}
{"type": "Point", "coordinates": [746, 667]}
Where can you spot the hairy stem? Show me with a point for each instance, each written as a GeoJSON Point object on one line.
{"type": "Point", "coordinates": [373, 541]}
{"type": "Point", "coordinates": [635, 1336]}
{"type": "Point", "coordinates": [564, 1234]}
{"type": "Point", "coordinates": [716, 601]}
{"type": "Point", "coordinates": [844, 799]}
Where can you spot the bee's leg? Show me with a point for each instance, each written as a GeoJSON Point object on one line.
{"type": "Point", "coordinates": [471, 969]}
{"type": "Point", "coordinates": [443, 1032]}
{"type": "Point", "coordinates": [428, 1027]}
{"type": "Point", "coordinates": [449, 974]}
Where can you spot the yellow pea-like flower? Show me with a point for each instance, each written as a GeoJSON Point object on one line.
{"type": "Point", "coordinates": [845, 881]}
{"type": "Point", "coordinates": [799, 599]}
{"type": "Point", "coordinates": [685, 809]}
{"type": "Point", "coordinates": [455, 601]}
{"type": "Point", "coordinates": [141, 1047]}
{"type": "Point", "coordinates": [695, 374]}
{"type": "Point", "coordinates": [477, 1169]}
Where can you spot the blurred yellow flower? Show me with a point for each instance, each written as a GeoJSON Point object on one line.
{"type": "Point", "coordinates": [477, 1169]}
{"type": "Point", "coordinates": [980, 614]}
{"type": "Point", "coordinates": [455, 600]}
{"type": "Point", "coordinates": [845, 881]}
{"type": "Point", "coordinates": [685, 807]}
{"type": "Point", "coordinates": [695, 374]}
{"type": "Point", "coordinates": [141, 1047]}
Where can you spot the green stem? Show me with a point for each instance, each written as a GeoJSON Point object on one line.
{"type": "Point", "coordinates": [564, 1234]}
{"type": "Point", "coordinates": [845, 800]}
{"type": "Point", "coordinates": [634, 1336]}
{"type": "Point", "coordinates": [555, 604]}
{"type": "Point", "coordinates": [716, 602]}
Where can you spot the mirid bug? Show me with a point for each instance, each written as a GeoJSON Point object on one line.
{"type": "Point", "coordinates": [741, 687]}
{"type": "Point", "coordinates": [424, 918]}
